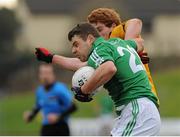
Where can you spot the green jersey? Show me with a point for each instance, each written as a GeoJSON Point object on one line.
{"type": "Point", "coordinates": [130, 81]}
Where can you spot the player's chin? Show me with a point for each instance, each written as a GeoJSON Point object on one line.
{"type": "Point", "coordinates": [83, 59]}
{"type": "Point", "coordinates": [77, 56]}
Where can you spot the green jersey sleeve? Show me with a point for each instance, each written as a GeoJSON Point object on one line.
{"type": "Point", "coordinates": [99, 56]}
{"type": "Point", "coordinates": [132, 43]}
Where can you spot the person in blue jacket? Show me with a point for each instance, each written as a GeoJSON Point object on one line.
{"type": "Point", "coordinates": [55, 101]}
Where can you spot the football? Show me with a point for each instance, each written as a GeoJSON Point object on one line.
{"type": "Point", "coordinates": [82, 75]}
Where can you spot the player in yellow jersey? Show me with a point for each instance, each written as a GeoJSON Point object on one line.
{"type": "Point", "coordinates": [108, 23]}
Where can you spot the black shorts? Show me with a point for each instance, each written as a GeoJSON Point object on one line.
{"type": "Point", "coordinates": [60, 129]}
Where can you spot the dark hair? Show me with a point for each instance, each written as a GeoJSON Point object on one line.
{"type": "Point", "coordinates": [83, 30]}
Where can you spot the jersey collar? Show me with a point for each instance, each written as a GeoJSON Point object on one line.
{"type": "Point", "coordinates": [97, 42]}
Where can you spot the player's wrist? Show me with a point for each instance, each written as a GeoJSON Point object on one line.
{"type": "Point", "coordinates": [85, 90]}
{"type": "Point", "coordinates": [30, 116]}
{"type": "Point", "coordinates": [50, 58]}
{"type": "Point", "coordinates": [81, 96]}
{"type": "Point", "coordinates": [43, 54]}
{"type": "Point", "coordinates": [82, 90]}
{"type": "Point", "coordinates": [55, 59]}
{"type": "Point", "coordinates": [59, 117]}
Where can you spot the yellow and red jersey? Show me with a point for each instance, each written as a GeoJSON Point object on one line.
{"type": "Point", "coordinates": [119, 32]}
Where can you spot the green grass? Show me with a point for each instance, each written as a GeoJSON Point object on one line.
{"type": "Point", "coordinates": [12, 107]}
{"type": "Point", "coordinates": [12, 116]}
{"type": "Point", "coordinates": [168, 87]}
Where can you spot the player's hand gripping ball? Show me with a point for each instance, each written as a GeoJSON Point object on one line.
{"type": "Point", "coordinates": [80, 77]}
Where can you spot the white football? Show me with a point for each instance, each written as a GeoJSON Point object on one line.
{"type": "Point", "coordinates": [82, 75]}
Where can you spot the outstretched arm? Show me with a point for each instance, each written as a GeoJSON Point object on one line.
{"type": "Point", "coordinates": [30, 115]}
{"type": "Point", "coordinates": [42, 54]}
{"type": "Point", "coordinates": [72, 64]}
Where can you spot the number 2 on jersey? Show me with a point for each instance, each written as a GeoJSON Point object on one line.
{"type": "Point", "coordinates": [132, 60]}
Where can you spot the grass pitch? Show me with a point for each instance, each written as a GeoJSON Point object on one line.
{"type": "Point", "coordinates": [12, 107]}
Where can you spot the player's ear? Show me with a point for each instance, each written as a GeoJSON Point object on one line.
{"type": "Point", "coordinates": [90, 38]}
{"type": "Point", "coordinates": [113, 25]}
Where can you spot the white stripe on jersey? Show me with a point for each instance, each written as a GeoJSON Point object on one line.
{"type": "Point", "coordinates": [96, 58]}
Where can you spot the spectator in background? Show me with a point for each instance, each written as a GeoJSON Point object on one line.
{"type": "Point", "coordinates": [55, 101]}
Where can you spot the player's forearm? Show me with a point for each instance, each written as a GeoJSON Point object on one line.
{"type": "Point", "coordinates": [134, 27]}
{"type": "Point", "coordinates": [69, 111]}
{"type": "Point", "coordinates": [102, 75]}
{"type": "Point", "coordinates": [72, 64]}
{"type": "Point", "coordinates": [140, 44]}
{"type": "Point", "coordinates": [33, 113]}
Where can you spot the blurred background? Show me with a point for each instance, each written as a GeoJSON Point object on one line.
{"type": "Point", "coordinates": [26, 24]}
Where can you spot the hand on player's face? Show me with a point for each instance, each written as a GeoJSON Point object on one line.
{"type": "Point", "coordinates": [103, 30]}
{"type": "Point", "coordinates": [80, 48]}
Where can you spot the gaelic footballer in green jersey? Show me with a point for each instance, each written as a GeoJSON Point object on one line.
{"type": "Point", "coordinates": [120, 70]}
{"type": "Point", "coordinates": [130, 80]}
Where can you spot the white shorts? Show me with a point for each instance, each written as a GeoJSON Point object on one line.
{"type": "Point", "coordinates": [139, 118]}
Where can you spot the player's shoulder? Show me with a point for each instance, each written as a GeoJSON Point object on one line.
{"type": "Point", "coordinates": [118, 31]}
{"type": "Point", "coordinates": [62, 89]}
{"type": "Point", "coordinates": [120, 26]}
{"type": "Point", "coordinates": [115, 41]}
{"type": "Point", "coordinates": [111, 44]}
{"type": "Point", "coordinates": [120, 42]}
{"type": "Point", "coordinates": [106, 45]}
{"type": "Point", "coordinates": [59, 85]}
{"type": "Point", "coordinates": [39, 89]}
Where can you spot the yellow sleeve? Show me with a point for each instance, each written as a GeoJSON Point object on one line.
{"type": "Point", "coordinates": [125, 25]}
{"type": "Point", "coordinates": [118, 32]}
